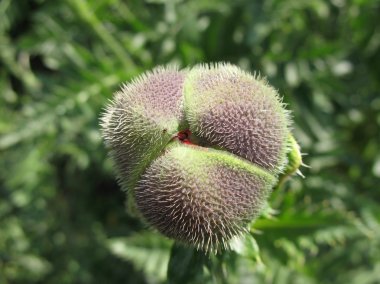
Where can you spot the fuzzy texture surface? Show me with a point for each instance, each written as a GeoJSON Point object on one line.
{"type": "Point", "coordinates": [197, 150]}
{"type": "Point", "coordinates": [201, 196]}
{"type": "Point", "coordinates": [238, 112]}
{"type": "Point", "coordinates": [140, 121]}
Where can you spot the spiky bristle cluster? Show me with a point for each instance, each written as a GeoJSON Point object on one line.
{"type": "Point", "coordinates": [201, 196]}
{"type": "Point", "coordinates": [141, 119]}
{"type": "Point", "coordinates": [242, 114]}
{"type": "Point", "coordinates": [198, 150]}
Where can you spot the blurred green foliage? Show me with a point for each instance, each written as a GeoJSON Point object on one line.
{"type": "Point", "coordinates": [62, 215]}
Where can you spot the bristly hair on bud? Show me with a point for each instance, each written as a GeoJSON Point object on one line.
{"type": "Point", "coordinates": [201, 196]}
{"type": "Point", "coordinates": [238, 112]}
{"type": "Point", "coordinates": [198, 150]}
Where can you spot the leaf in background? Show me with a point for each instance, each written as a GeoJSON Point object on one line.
{"type": "Point", "coordinates": [148, 252]}
{"type": "Point", "coordinates": [59, 201]}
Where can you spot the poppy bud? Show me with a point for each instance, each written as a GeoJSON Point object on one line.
{"type": "Point", "coordinates": [198, 150]}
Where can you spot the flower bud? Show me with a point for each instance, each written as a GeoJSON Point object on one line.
{"type": "Point", "coordinates": [198, 150]}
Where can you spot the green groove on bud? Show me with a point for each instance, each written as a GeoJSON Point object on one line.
{"type": "Point", "coordinates": [199, 150]}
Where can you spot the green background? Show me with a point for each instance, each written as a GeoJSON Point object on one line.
{"type": "Point", "coordinates": [62, 214]}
